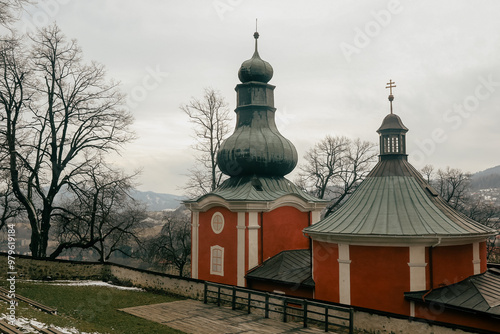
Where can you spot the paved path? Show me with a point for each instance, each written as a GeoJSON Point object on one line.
{"type": "Point", "coordinates": [194, 317]}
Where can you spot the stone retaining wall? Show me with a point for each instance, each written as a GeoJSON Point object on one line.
{"type": "Point", "coordinates": [44, 269]}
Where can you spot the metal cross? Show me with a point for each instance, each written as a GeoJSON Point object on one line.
{"type": "Point", "coordinates": [390, 85]}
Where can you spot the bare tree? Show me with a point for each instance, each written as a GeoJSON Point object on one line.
{"type": "Point", "coordinates": [9, 206]}
{"type": "Point", "coordinates": [99, 214]}
{"type": "Point", "coordinates": [60, 114]}
{"type": "Point", "coordinates": [428, 172]}
{"type": "Point", "coordinates": [452, 184]}
{"type": "Point", "coordinates": [9, 10]}
{"type": "Point", "coordinates": [210, 116]}
{"type": "Point", "coordinates": [173, 245]}
{"type": "Point", "coordinates": [334, 167]}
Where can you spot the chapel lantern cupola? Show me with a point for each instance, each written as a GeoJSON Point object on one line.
{"type": "Point", "coordinates": [256, 147]}
{"type": "Point", "coordinates": [392, 134]}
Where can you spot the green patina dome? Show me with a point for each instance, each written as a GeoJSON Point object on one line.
{"type": "Point", "coordinates": [256, 147]}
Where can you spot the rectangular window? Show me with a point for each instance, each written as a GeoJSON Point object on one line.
{"type": "Point", "coordinates": [217, 260]}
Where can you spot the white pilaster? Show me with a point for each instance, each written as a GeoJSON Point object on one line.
{"type": "Point", "coordinates": [240, 270]}
{"type": "Point", "coordinates": [315, 217]}
{"type": "Point", "coordinates": [253, 239]}
{"type": "Point", "coordinates": [417, 268]}
{"type": "Point", "coordinates": [344, 274]}
{"type": "Point", "coordinates": [195, 224]}
{"type": "Point", "coordinates": [476, 259]}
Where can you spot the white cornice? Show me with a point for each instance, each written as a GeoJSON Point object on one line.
{"type": "Point", "coordinates": [211, 201]}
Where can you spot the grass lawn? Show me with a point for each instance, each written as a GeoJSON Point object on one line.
{"type": "Point", "coordinates": [90, 308]}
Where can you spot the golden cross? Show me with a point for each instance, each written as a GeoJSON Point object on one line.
{"type": "Point", "coordinates": [390, 85]}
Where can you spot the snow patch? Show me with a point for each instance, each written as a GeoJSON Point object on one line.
{"type": "Point", "coordinates": [87, 283]}
{"type": "Point", "coordinates": [34, 326]}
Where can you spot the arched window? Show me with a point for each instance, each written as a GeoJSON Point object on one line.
{"type": "Point", "coordinates": [217, 222]}
{"type": "Point", "coordinates": [217, 260]}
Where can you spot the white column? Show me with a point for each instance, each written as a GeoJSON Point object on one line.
{"type": "Point", "coordinates": [417, 268]}
{"type": "Point", "coordinates": [195, 224]}
{"type": "Point", "coordinates": [344, 274]}
{"type": "Point", "coordinates": [253, 239]}
{"type": "Point", "coordinates": [240, 256]}
{"type": "Point", "coordinates": [476, 259]}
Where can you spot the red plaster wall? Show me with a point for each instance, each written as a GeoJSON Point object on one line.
{"type": "Point", "coordinates": [326, 271]}
{"type": "Point", "coordinates": [282, 230]}
{"type": "Point", "coordinates": [379, 278]}
{"type": "Point", "coordinates": [300, 292]}
{"type": "Point", "coordinates": [451, 264]}
{"type": "Point", "coordinates": [436, 313]}
{"type": "Point", "coordinates": [226, 239]}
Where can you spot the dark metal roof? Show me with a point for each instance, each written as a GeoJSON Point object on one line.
{"type": "Point", "coordinates": [392, 122]}
{"type": "Point", "coordinates": [394, 200]}
{"type": "Point", "coordinates": [253, 188]}
{"type": "Point", "coordinates": [288, 267]}
{"type": "Point", "coordinates": [479, 293]}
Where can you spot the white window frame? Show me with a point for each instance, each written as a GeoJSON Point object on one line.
{"type": "Point", "coordinates": [216, 215]}
{"type": "Point", "coordinates": [213, 251]}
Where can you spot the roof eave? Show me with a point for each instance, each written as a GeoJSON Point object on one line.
{"type": "Point", "coordinates": [398, 240]}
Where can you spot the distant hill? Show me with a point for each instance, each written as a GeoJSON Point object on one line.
{"type": "Point", "coordinates": [158, 201]}
{"type": "Point", "coordinates": [489, 178]}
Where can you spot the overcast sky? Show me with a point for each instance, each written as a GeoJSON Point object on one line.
{"type": "Point", "coordinates": [331, 60]}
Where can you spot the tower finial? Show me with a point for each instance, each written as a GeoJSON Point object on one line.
{"type": "Point", "coordinates": [256, 36]}
{"type": "Point", "coordinates": [391, 84]}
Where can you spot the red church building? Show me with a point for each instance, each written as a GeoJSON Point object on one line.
{"type": "Point", "coordinates": [395, 246]}
{"type": "Point", "coordinates": [256, 213]}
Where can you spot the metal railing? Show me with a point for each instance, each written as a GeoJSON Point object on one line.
{"type": "Point", "coordinates": [288, 308]}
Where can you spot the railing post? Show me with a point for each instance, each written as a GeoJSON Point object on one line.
{"type": "Point", "coordinates": [233, 302]}
{"type": "Point", "coordinates": [326, 319]}
{"type": "Point", "coordinates": [205, 291]}
{"type": "Point", "coordinates": [218, 295]}
{"type": "Point", "coordinates": [249, 300]}
{"type": "Point", "coordinates": [304, 307]}
{"type": "Point", "coordinates": [266, 307]}
{"type": "Point", "coordinates": [284, 309]}
{"type": "Point", "coordinates": [351, 321]}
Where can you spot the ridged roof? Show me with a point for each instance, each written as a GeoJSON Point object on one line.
{"type": "Point", "coordinates": [479, 293]}
{"type": "Point", "coordinates": [254, 188]}
{"type": "Point", "coordinates": [395, 201]}
{"type": "Point", "coordinates": [289, 267]}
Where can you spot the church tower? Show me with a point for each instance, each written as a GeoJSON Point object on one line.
{"type": "Point", "coordinates": [256, 213]}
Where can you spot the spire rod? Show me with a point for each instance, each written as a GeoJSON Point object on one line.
{"type": "Point", "coordinates": [256, 36]}
{"type": "Point", "coordinates": [391, 84]}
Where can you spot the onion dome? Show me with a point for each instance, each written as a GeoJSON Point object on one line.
{"type": "Point", "coordinates": [256, 147]}
{"type": "Point", "coordinates": [255, 69]}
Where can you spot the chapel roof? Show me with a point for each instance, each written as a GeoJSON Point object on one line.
{"type": "Point", "coordinates": [394, 204]}
{"type": "Point", "coordinates": [287, 267]}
